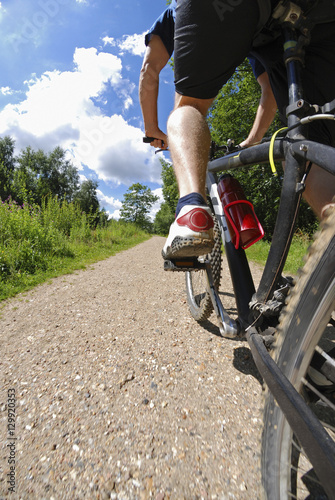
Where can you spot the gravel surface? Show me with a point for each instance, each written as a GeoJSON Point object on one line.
{"type": "Point", "coordinates": [120, 394]}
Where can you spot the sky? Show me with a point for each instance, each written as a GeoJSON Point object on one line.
{"type": "Point", "coordinates": [69, 72]}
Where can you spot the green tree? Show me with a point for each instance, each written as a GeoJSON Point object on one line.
{"type": "Point", "coordinates": [87, 198]}
{"type": "Point", "coordinates": [136, 206]}
{"type": "Point", "coordinates": [166, 214]}
{"type": "Point", "coordinates": [7, 164]}
{"type": "Point", "coordinates": [39, 174]}
{"type": "Point", "coordinates": [163, 220]}
{"type": "Point", "coordinates": [57, 175]}
{"type": "Point", "coordinates": [88, 202]}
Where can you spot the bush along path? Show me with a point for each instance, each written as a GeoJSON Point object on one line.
{"type": "Point", "coordinates": [37, 243]}
{"type": "Point", "coordinates": [118, 393]}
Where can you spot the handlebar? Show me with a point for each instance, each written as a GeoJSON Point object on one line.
{"type": "Point", "coordinates": [148, 140]}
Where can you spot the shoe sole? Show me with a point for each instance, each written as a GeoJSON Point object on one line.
{"type": "Point", "coordinates": [188, 247]}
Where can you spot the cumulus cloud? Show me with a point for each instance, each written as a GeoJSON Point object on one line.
{"type": "Point", "coordinates": [107, 40]}
{"type": "Point", "coordinates": [156, 206]}
{"type": "Point", "coordinates": [6, 90]}
{"type": "Point", "coordinates": [133, 44]}
{"type": "Point", "coordinates": [111, 205]}
{"type": "Point", "coordinates": [60, 108]}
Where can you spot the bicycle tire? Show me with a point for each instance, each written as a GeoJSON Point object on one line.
{"type": "Point", "coordinates": [303, 326]}
{"type": "Point", "coordinates": [198, 297]}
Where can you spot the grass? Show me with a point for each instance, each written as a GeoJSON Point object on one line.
{"type": "Point", "coordinates": [39, 243]}
{"type": "Point", "coordinates": [259, 251]}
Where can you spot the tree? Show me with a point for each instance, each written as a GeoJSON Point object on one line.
{"type": "Point", "coordinates": [57, 175]}
{"type": "Point", "coordinates": [163, 220]}
{"type": "Point", "coordinates": [87, 198]}
{"type": "Point", "coordinates": [39, 174]}
{"type": "Point", "coordinates": [166, 214]}
{"type": "Point", "coordinates": [7, 164]}
{"type": "Point", "coordinates": [136, 206]}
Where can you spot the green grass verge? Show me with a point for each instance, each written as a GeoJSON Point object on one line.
{"type": "Point", "coordinates": [81, 255]}
{"type": "Point", "coordinates": [259, 251]}
{"type": "Point", "coordinates": [39, 243]}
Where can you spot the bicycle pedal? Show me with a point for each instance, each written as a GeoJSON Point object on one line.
{"type": "Point", "coordinates": [183, 264]}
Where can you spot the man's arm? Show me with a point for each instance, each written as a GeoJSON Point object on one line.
{"type": "Point", "coordinates": [265, 113]}
{"type": "Point", "coordinates": [155, 58]}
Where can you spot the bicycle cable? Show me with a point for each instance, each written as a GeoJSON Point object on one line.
{"type": "Point", "coordinates": [303, 121]}
{"type": "Point", "coordinates": [272, 142]}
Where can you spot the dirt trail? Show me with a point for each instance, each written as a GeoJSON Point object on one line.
{"type": "Point", "coordinates": [120, 394]}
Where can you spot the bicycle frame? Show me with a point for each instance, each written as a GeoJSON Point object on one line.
{"type": "Point", "coordinates": [297, 152]}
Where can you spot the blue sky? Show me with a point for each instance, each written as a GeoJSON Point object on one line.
{"type": "Point", "coordinates": [69, 73]}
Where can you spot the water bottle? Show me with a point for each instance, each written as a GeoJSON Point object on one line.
{"type": "Point", "coordinates": [243, 224]}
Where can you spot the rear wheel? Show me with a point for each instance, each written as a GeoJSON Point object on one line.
{"type": "Point", "coordinates": [306, 327]}
{"type": "Point", "coordinates": [198, 297]}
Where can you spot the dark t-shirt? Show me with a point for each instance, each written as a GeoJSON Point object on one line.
{"type": "Point", "coordinates": [164, 28]}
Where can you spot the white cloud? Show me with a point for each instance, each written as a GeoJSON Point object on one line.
{"type": "Point", "coordinates": [6, 90]}
{"type": "Point", "coordinates": [156, 206]}
{"type": "Point", "coordinates": [59, 109]}
{"type": "Point", "coordinates": [134, 44]}
{"type": "Point", "coordinates": [108, 201]}
{"type": "Point", "coordinates": [115, 215]}
{"type": "Point", "coordinates": [107, 40]}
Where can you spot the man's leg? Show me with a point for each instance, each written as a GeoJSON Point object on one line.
{"type": "Point", "coordinates": [320, 190]}
{"type": "Point", "coordinates": [191, 234]}
{"type": "Point", "coordinates": [189, 141]}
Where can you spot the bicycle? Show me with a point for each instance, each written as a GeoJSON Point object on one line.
{"type": "Point", "coordinates": [299, 416]}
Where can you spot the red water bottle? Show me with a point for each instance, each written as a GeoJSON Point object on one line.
{"type": "Point", "coordinates": [244, 227]}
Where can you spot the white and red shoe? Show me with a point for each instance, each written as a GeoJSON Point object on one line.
{"type": "Point", "coordinates": [191, 234]}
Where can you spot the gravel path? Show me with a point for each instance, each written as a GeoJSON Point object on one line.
{"type": "Point", "coordinates": [120, 394]}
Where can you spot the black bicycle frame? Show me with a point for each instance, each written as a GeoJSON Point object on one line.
{"type": "Point", "coordinates": [297, 151]}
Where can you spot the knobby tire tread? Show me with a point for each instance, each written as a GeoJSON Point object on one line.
{"type": "Point", "coordinates": [317, 274]}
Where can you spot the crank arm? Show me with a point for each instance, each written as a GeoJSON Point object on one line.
{"type": "Point", "coordinates": [228, 326]}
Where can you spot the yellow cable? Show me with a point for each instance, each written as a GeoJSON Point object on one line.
{"type": "Point", "coordinates": [272, 142]}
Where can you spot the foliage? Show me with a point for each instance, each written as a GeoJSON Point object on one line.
{"type": "Point", "coordinates": [295, 259]}
{"type": "Point", "coordinates": [136, 206]}
{"type": "Point", "coordinates": [40, 242]}
{"type": "Point", "coordinates": [163, 220]}
{"type": "Point", "coordinates": [166, 214]}
{"type": "Point", "coordinates": [38, 174]}
{"type": "Point", "coordinates": [7, 163]}
{"type": "Point", "coordinates": [86, 197]}
{"type": "Point", "coordinates": [34, 175]}
{"type": "Point", "coordinates": [170, 186]}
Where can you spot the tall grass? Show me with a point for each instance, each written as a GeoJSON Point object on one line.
{"type": "Point", "coordinates": [37, 243]}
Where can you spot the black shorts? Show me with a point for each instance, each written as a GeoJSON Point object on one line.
{"type": "Point", "coordinates": [211, 39]}
{"type": "Point", "coordinates": [318, 77]}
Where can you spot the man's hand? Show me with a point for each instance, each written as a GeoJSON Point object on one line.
{"type": "Point", "coordinates": [160, 139]}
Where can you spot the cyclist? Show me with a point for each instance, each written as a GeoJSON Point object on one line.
{"type": "Point", "coordinates": [228, 28]}
{"type": "Point", "coordinates": [160, 44]}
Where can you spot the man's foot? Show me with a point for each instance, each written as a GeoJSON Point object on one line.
{"type": "Point", "coordinates": [191, 234]}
